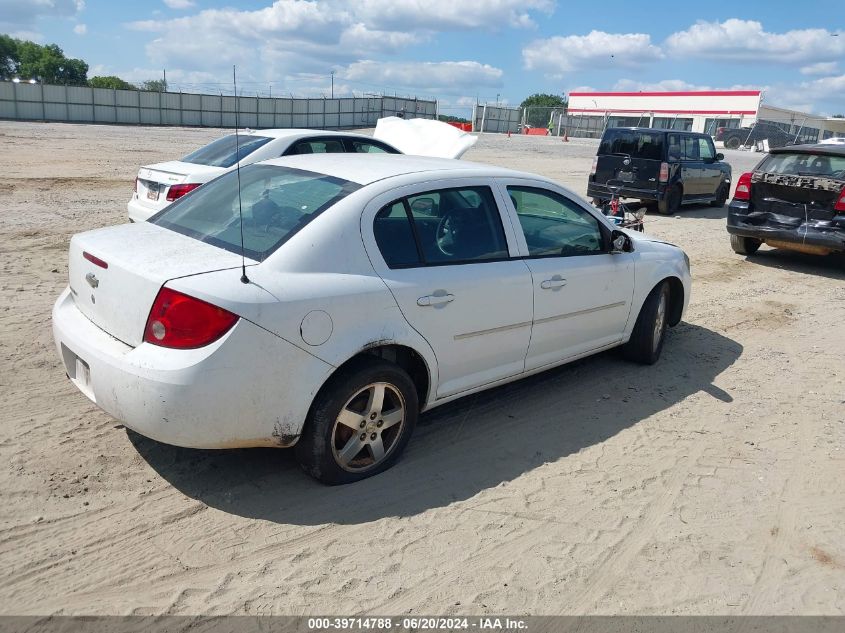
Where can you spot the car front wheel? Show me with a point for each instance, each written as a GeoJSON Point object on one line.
{"type": "Point", "coordinates": [721, 197]}
{"type": "Point", "coordinates": [359, 423]}
{"type": "Point", "coordinates": [744, 245]}
{"type": "Point", "coordinates": [649, 332]}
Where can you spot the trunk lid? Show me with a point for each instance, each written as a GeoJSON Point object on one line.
{"type": "Point", "coordinates": [141, 258]}
{"type": "Point", "coordinates": [631, 156]}
{"type": "Point", "coordinates": [798, 198]}
{"type": "Point", "coordinates": [155, 180]}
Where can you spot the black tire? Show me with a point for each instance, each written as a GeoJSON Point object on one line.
{"type": "Point", "coordinates": [744, 245]}
{"type": "Point", "coordinates": [649, 332]}
{"type": "Point", "coordinates": [671, 202]}
{"type": "Point", "coordinates": [732, 142]}
{"type": "Point", "coordinates": [320, 449]}
{"type": "Point", "coordinates": [721, 197]}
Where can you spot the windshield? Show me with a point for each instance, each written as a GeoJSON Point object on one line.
{"type": "Point", "coordinates": [221, 153]}
{"type": "Point", "coordinates": [633, 143]}
{"type": "Point", "coordinates": [277, 202]}
{"type": "Point", "coordinates": [804, 165]}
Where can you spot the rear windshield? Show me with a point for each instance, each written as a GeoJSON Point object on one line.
{"type": "Point", "coordinates": [633, 143]}
{"type": "Point", "coordinates": [221, 153]}
{"type": "Point", "coordinates": [276, 201]}
{"type": "Point", "coordinates": [804, 165]}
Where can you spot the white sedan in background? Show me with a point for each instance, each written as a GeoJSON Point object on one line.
{"type": "Point", "coordinates": [158, 185]}
{"type": "Point", "coordinates": [350, 294]}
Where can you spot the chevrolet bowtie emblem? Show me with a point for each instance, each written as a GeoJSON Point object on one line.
{"type": "Point", "coordinates": [92, 280]}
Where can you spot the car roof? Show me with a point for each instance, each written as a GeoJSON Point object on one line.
{"type": "Point", "coordinates": [830, 150]}
{"type": "Point", "coordinates": [368, 168]}
{"type": "Point", "coordinates": [656, 129]}
{"type": "Point", "coordinates": [299, 132]}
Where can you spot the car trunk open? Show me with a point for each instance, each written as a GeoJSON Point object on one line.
{"type": "Point", "coordinates": [115, 273]}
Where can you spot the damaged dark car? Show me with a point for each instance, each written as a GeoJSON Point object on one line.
{"type": "Point", "coordinates": [794, 199]}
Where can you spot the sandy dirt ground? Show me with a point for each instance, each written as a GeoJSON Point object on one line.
{"type": "Point", "coordinates": [710, 483]}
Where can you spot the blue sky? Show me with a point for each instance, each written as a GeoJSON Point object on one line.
{"type": "Point", "coordinates": [455, 51]}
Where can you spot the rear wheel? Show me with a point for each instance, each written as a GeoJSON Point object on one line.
{"type": "Point", "coordinates": [721, 197]}
{"type": "Point", "coordinates": [732, 142]}
{"type": "Point", "coordinates": [744, 245]}
{"type": "Point", "coordinates": [360, 423]}
{"type": "Point", "coordinates": [649, 332]}
{"type": "Point", "coordinates": [671, 202]}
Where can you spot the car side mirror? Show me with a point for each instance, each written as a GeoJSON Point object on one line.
{"type": "Point", "coordinates": [720, 156]}
{"type": "Point", "coordinates": [620, 242]}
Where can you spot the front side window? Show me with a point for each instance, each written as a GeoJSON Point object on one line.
{"type": "Point", "coordinates": [367, 147]}
{"type": "Point", "coordinates": [224, 152]}
{"type": "Point", "coordinates": [276, 202]}
{"type": "Point", "coordinates": [555, 226]}
{"type": "Point", "coordinates": [706, 150]}
{"type": "Point", "coordinates": [448, 226]}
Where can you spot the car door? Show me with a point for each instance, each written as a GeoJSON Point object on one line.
{"type": "Point", "coordinates": [691, 166]}
{"type": "Point", "coordinates": [582, 292]}
{"type": "Point", "coordinates": [446, 255]}
{"type": "Point", "coordinates": [711, 174]}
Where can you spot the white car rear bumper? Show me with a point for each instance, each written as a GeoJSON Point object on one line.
{"type": "Point", "coordinates": [139, 212]}
{"type": "Point", "coordinates": [250, 388]}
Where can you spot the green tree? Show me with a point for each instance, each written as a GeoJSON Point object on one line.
{"type": "Point", "coordinates": [541, 107]}
{"type": "Point", "coordinates": [9, 58]}
{"type": "Point", "coordinates": [448, 118]}
{"type": "Point", "coordinates": [154, 85]}
{"type": "Point", "coordinates": [110, 81]}
{"type": "Point", "coordinates": [49, 64]}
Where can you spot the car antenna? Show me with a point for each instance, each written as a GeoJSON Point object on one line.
{"type": "Point", "coordinates": [244, 278]}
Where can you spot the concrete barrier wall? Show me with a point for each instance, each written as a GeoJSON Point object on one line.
{"type": "Point", "coordinates": [80, 104]}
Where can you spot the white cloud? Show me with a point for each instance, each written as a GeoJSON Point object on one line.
{"type": "Point", "coordinates": [180, 4]}
{"type": "Point", "coordinates": [448, 15]}
{"type": "Point", "coordinates": [820, 68]}
{"type": "Point", "coordinates": [746, 40]}
{"type": "Point", "coordinates": [429, 77]}
{"type": "Point", "coordinates": [560, 54]}
{"type": "Point", "coordinates": [80, 29]}
{"type": "Point", "coordinates": [19, 17]}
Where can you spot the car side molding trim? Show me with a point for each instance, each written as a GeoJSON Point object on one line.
{"type": "Point", "coordinates": [609, 306]}
{"type": "Point", "coordinates": [494, 330]}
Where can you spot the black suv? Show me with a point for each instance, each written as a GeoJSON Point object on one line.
{"type": "Point", "coordinates": [666, 167]}
{"type": "Point", "coordinates": [734, 137]}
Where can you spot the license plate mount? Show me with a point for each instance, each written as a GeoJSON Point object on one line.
{"type": "Point", "coordinates": [152, 190]}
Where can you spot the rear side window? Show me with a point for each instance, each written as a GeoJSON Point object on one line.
{"type": "Point", "coordinates": [223, 152]}
{"type": "Point", "coordinates": [277, 202]}
{"type": "Point", "coordinates": [804, 165]}
{"type": "Point", "coordinates": [445, 226]}
{"type": "Point", "coordinates": [318, 146]}
{"type": "Point", "coordinates": [633, 143]}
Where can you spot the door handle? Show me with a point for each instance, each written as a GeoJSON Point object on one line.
{"type": "Point", "coordinates": [435, 300]}
{"type": "Point", "coordinates": [552, 284]}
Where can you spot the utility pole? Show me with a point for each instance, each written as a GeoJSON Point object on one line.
{"type": "Point", "coordinates": [165, 80]}
{"type": "Point", "coordinates": [332, 84]}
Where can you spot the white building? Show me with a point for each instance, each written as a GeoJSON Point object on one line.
{"type": "Point", "coordinates": [698, 111]}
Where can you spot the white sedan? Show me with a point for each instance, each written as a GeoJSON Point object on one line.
{"type": "Point", "coordinates": [158, 185]}
{"type": "Point", "coordinates": [339, 296]}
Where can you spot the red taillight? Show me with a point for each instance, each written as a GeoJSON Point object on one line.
{"type": "Point", "coordinates": [177, 191]}
{"type": "Point", "coordinates": [839, 207]}
{"type": "Point", "coordinates": [182, 322]}
{"type": "Point", "coordinates": [743, 187]}
{"type": "Point", "coordinates": [664, 172]}
{"type": "Point", "coordinates": [135, 186]}
{"type": "Point", "coordinates": [94, 260]}
{"type": "Point", "coordinates": [595, 165]}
